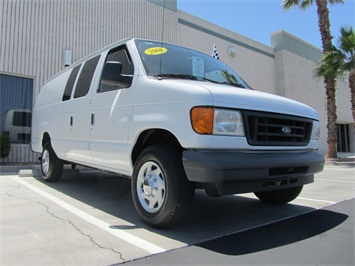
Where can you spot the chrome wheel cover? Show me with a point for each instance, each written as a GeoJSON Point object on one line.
{"type": "Point", "coordinates": [45, 162]}
{"type": "Point", "coordinates": [151, 187]}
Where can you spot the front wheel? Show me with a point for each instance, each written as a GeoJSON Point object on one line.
{"type": "Point", "coordinates": [161, 193]}
{"type": "Point", "coordinates": [281, 196]}
{"type": "Point", "coordinates": [51, 165]}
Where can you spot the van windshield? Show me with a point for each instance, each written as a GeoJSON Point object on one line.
{"type": "Point", "coordinates": [171, 61]}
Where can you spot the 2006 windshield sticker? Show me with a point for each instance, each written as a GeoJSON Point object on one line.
{"type": "Point", "coordinates": [155, 51]}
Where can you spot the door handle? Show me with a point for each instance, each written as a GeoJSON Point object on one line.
{"type": "Point", "coordinates": [71, 120]}
{"type": "Point", "coordinates": [92, 119]}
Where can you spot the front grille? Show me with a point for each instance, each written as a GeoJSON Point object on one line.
{"type": "Point", "coordinates": [269, 129]}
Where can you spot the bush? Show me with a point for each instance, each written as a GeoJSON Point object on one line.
{"type": "Point", "coordinates": [5, 146]}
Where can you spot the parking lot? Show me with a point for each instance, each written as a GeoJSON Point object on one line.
{"type": "Point", "coordinates": [88, 216]}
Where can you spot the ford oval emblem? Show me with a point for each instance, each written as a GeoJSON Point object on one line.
{"type": "Point", "coordinates": [286, 130]}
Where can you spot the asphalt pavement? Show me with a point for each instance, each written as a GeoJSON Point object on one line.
{"type": "Point", "coordinates": [320, 237]}
{"type": "Point", "coordinates": [88, 218]}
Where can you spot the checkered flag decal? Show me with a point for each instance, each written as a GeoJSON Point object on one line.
{"type": "Point", "coordinates": [214, 52]}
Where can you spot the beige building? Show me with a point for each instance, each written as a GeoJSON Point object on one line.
{"type": "Point", "coordinates": [39, 37]}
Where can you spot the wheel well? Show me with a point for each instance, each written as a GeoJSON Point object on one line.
{"type": "Point", "coordinates": [153, 137]}
{"type": "Point", "coordinates": [46, 139]}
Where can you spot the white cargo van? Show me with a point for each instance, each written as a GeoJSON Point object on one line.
{"type": "Point", "coordinates": [174, 120]}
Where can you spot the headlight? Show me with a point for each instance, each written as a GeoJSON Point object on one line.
{"type": "Point", "coordinates": [315, 130]}
{"type": "Point", "coordinates": [228, 122]}
{"type": "Point", "coordinates": [208, 120]}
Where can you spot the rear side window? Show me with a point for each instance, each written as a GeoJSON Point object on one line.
{"type": "Point", "coordinates": [85, 77]}
{"type": "Point", "coordinates": [70, 83]}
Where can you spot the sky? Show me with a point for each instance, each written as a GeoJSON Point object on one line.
{"type": "Point", "coordinates": [258, 19]}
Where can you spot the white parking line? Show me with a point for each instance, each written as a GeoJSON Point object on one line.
{"type": "Point", "coordinates": [337, 181]}
{"type": "Point", "coordinates": [325, 201]}
{"type": "Point", "coordinates": [136, 241]}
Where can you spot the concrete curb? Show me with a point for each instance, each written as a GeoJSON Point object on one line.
{"type": "Point", "coordinates": [343, 163]}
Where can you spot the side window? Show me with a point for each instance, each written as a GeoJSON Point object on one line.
{"type": "Point", "coordinates": [70, 83]}
{"type": "Point", "coordinates": [85, 77]}
{"type": "Point", "coordinates": [117, 72]}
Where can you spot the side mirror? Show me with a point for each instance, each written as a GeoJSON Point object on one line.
{"type": "Point", "coordinates": [111, 74]}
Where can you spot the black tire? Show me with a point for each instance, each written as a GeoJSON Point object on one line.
{"type": "Point", "coordinates": [51, 165]}
{"type": "Point", "coordinates": [161, 193]}
{"type": "Point", "coordinates": [281, 196]}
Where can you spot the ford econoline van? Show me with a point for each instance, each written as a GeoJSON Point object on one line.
{"type": "Point", "coordinates": [174, 120]}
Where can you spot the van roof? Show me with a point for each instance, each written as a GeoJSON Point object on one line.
{"type": "Point", "coordinates": [108, 47]}
{"type": "Point", "coordinates": [87, 57]}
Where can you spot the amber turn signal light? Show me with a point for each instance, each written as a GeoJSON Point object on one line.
{"type": "Point", "coordinates": [202, 120]}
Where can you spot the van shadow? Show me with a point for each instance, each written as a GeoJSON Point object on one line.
{"type": "Point", "coordinates": [211, 218]}
{"type": "Point", "coordinates": [276, 234]}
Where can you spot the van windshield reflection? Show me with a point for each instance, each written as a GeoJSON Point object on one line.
{"type": "Point", "coordinates": [170, 61]}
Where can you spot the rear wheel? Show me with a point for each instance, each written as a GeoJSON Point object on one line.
{"type": "Point", "coordinates": [281, 196]}
{"type": "Point", "coordinates": [161, 193]}
{"type": "Point", "coordinates": [51, 165]}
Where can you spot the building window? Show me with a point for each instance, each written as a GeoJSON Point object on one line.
{"type": "Point", "coordinates": [16, 107]}
{"type": "Point", "coordinates": [343, 138]}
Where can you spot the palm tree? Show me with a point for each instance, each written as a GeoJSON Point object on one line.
{"type": "Point", "coordinates": [330, 83]}
{"type": "Point", "coordinates": [347, 47]}
{"type": "Point", "coordinates": [329, 69]}
{"type": "Point", "coordinates": [330, 65]}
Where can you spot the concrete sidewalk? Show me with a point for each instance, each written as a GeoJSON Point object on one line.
{"type": "Point", "coordinates": [344, 158]}
{"type": "Point", "coordinates": [348, 155]}
{"type": "Point", "coordinates": [15, 168]}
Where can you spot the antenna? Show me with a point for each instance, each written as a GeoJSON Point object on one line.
{"type": "Point", "coordinates": [162, 38]}
{"type": "Point", "coordinates": [162, 28]}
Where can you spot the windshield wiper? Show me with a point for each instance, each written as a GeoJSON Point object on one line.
{"type": "Point", "coordinates": [178, 76]}
{"type": "Point", "coordinates": [238, 85]}
{"type": "Point", "coordinates": [186, 76]}
{"type": "Point", "coordinates": [225, 83]}
{"type": "Point", "coordinates": [192, 77]}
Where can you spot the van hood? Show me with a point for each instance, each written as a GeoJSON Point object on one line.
{"type": "Point", "coordinates": [233, 97]}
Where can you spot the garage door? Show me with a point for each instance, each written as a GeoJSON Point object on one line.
{"type": "Point", "coordinates": [16, 95]}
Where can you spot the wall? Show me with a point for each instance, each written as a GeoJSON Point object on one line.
{"type": "Point", "coordinates": [35, 34]}
{"type": "Point", "coordinates": [253, 61]}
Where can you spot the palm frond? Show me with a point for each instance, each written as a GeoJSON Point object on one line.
{"type": "Point", "coordinates": [302, 4]}
{"type": "Point", "coordinates": [287, 4]}
{"type": "Point", "coordinates": [347, 47]}
{"type": "Point", "coordinates": [347, 39]}
{"type": "Point", "coordinates": [336, 1]}
{"type": "Point", "coordinates": [331, 64]}
{"type": "Point", "coordinates": [306, 4]}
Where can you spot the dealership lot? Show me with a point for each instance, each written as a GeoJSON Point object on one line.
{"type": "Point", "coordinates": [88, 216]}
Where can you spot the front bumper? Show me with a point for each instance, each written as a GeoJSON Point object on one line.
{"type": "Point", "coordinates": [233, 172]}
